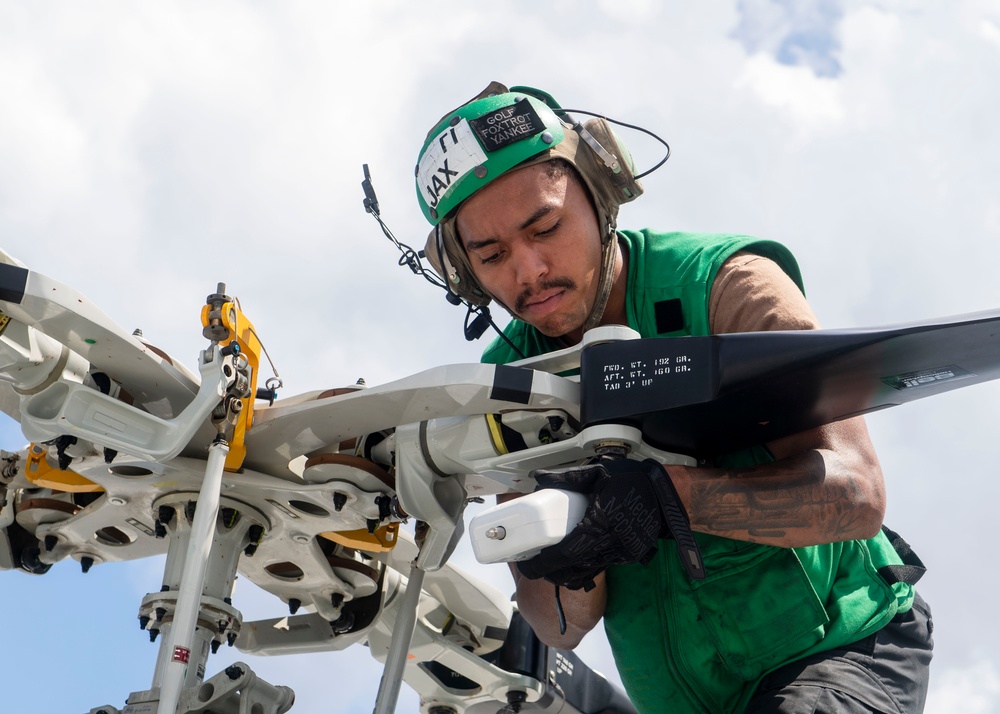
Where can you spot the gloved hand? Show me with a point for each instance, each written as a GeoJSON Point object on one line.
{"type": "Point", "coordinates": [633, 504]}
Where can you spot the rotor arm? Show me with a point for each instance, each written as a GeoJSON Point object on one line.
{"type": "Point", "coordinates": [72, 408]}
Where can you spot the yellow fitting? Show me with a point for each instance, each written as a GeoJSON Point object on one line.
{"type": "Point", "coordinates": [381, 541]}
{"type": "Point", "coordinates": [496, 434]}
{"type": "Point", "coordinates": [241, 330]}
{"type": "Point", "coordinates": [38, 471]}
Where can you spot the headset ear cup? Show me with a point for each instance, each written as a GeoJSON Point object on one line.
{"type": "Point", "coordinates": [440, 252]}
{"type": "Point", "coordinates": [627, 187]}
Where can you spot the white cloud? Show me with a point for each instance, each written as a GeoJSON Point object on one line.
{"type": "Point", "coordinates": [632, 12]}
{"type": "Point", "coordinates": [805, 102]}
{"type": "Point", "coordinates": [990, 31]}
{"type": "Point", "coordinates": [975, 690]}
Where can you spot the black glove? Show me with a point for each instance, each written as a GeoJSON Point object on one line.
{"type": "Point", "coordinates": [633, 504]}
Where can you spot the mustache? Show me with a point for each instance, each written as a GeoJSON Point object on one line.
{"type": "Point", "coordinates": [521, 301]}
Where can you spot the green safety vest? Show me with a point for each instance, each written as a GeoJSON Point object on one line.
{"type": "Point", "coordinates": [685, 646]}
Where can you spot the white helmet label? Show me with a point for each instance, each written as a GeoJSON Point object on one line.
{"type": "Point", "coordinates": [453, 153]}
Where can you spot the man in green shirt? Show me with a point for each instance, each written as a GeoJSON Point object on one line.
{"type": "Point", "coordinates": [797, 604]}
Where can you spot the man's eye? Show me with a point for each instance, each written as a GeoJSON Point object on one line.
{"type": "Point", "coordinates": [490, 258]}
{"type": "Point", "coordinates": [549, 231]}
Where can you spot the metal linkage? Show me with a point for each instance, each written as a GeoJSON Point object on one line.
{"type": "Point", "coordinates": [399, 646]}
{"type": "Point", "coordinates": [225, 324]}
{"type": "Point", "coordinates": [174, 668]}
{"type": "Point", "coordinates": [236, 690]}
{"type": "Point", "coordinates": [87, 413]}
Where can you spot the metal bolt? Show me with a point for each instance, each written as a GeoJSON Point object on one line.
{"type": "Point", "coordinates": [496, 533]}
{"type": "Point", "coordinates": [343, 624]}
{"type": "Point", "coordinates": [234, 672]}
{"type": "Point", "coordinates": [612, 449]}
{"type": "Point", "coordinates": [514, 701]}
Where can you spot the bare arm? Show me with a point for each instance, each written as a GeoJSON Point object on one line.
{"type": "Point", "coordinates": [825, 484]}
{"type": "Point", "coordinates": [536, 601]}
{"type": "Point", "coordinates": [582, 610]}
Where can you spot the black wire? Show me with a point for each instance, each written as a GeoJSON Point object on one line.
{"type": "Point", "coordinates": [560, 613]}
{"type": "Point", "coordinates": [485, 312]}
{"type": "Point", "coordinates": [411, 259]}
{"type": "Point", "coordinates": [626, 125]}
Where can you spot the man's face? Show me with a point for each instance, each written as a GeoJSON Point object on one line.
{"type": "Point", "coordinates": [534, 244]}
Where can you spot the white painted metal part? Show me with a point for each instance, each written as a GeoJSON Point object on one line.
{"type": "Point", "coordinates": [519, 529]}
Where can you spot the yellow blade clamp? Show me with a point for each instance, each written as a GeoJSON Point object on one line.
{"type": "Point", "coordinates": [228, 319]}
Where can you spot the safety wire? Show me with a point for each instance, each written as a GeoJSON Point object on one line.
{"type": "Point", "coordinates": [473, 328]}
{"type": "Point", "coordinates": [276, 379]}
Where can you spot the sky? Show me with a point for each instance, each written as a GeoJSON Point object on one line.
{"type": "Point", "coordinates": [150, 151]}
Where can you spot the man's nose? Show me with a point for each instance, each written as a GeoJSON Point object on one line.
{"type": "Point", "coordinates": [529, 265]}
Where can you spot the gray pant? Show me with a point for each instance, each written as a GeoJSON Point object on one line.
{"type": "Point", "coordinates": [886, 672]}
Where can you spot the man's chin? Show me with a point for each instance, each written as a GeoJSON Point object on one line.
{"type": "Point", "coordinates": [555, 329]}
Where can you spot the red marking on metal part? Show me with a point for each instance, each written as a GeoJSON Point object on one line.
{"type": "Point", "coordinates": [181, 654]}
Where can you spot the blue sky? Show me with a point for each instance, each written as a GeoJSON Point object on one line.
{"type": "Point", "coordinates": [797, 34]}
{"type": "Point", "coordinates": [148, 152]}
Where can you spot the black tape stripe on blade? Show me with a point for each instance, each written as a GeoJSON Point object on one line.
{"type": "Point", "coordinates": [512, 384]}
{"type": "Point", "coordinates": [13, 280]}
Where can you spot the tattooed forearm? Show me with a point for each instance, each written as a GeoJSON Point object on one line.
{"type": "Point", "coordinates": [793, 502]}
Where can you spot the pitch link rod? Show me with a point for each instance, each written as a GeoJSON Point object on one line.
{"type": "Point", "coordinates": [180, 640]}
{"type": "Point", "coordinates": [399, 646]}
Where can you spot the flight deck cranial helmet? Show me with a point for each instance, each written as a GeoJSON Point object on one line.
{"type": "Point", "coordinates": [501, 130]}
